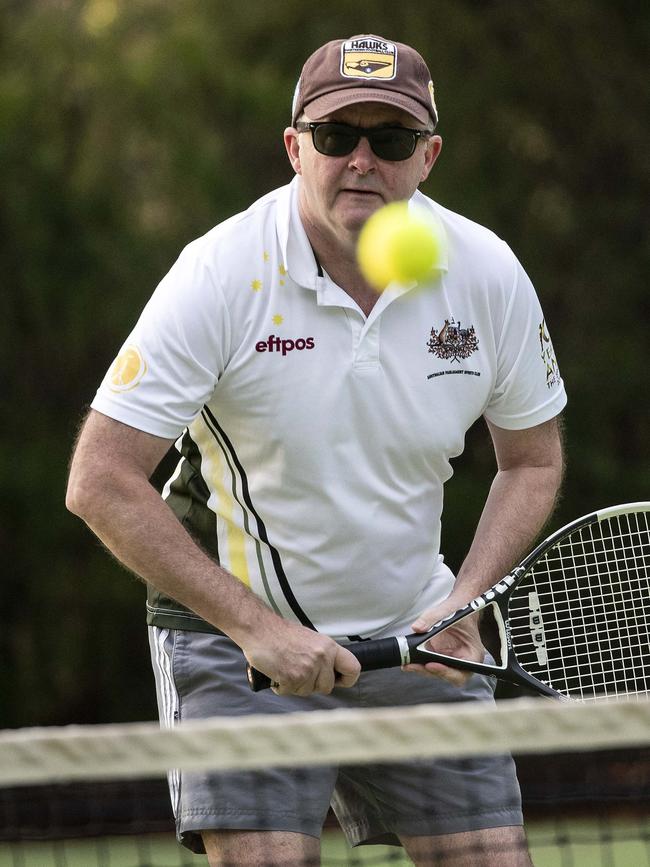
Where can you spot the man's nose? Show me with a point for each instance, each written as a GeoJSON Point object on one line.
{"type": "Point", "coordinates": [362, 159]}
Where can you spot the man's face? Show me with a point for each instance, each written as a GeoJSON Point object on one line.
{"type": "Point", "coordinates": [338, 194]}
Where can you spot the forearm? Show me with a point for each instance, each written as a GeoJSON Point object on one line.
{"type": "Point", "coordinates": [518, 505]}
{"type": "Point", "coordinates": [109, 488]}
{"type": "Point", "coordinates": [520, 502]}
{"type": "Point", "coordinates": [143, 533]}
{"type": "Point", "coordinates": [128, 515]}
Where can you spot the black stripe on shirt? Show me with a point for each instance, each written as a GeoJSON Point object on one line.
{"type": "Point", "coordinates": [214, 426]}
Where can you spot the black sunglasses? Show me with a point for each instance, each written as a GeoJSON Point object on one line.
{"type": "Point", "coordinates": [394, 143]}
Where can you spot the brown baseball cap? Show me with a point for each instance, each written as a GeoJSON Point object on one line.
{"type": "Point", "coordinates": [364, 68]}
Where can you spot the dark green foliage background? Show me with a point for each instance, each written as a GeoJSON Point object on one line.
{"type": "Point", "coordinates": [128, 127]}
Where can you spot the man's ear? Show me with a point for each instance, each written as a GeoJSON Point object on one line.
{"type": "Point", "coordinates": [292, 145]}
{"type": "Point", "coordinates": [434, 146]}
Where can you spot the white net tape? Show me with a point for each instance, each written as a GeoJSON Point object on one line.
{"type": "Point", "coordinates": [39, 755]}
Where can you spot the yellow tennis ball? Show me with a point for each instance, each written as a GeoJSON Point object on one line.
{"type": "Point", "coordinates": [400, 244]}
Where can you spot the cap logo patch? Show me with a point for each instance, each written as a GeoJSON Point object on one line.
{"type": "Point", "coordinates": [368, 58]}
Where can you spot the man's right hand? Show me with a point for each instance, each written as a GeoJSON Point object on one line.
{"type": "Point", "coordinates": [301, 661]}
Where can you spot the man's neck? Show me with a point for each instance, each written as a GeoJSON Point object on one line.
{"type": "Point", "coordinates": [337, 256]}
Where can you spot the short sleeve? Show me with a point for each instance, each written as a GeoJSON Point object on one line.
{"type": "Point", "coordinates": [528, 389]}
{"type": "Point", "coordinates": [169, 365]}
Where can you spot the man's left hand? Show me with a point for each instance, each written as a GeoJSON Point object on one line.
{"type": "Point", "coordinates": [461, 640]}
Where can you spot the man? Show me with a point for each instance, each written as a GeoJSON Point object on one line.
{"type": "Point", "coordinates": [315, 421]}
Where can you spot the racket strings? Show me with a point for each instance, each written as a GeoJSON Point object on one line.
{"type": "Point", "coordinates": [579, 618]}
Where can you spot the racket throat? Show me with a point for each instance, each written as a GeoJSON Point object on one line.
{"type": "Point", "coordinates": [493, 632]}
{"type": "Point", "coordinates": [495, 635]}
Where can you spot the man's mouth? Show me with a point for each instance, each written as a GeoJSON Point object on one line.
{"type": "Point", "coordinates": [357, 192]}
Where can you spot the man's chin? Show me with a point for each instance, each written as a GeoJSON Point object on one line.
{"type": "Point", "coordinates": [356, 213]}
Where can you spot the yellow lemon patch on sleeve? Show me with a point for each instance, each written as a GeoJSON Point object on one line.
{"type": "Point", "coordinates": [128, 369]}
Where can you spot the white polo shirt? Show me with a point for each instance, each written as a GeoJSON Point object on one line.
{"type": "Point", "coordinates": [316, 441]}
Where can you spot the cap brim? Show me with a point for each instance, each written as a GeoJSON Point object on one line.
{"type": "Point", "coordinates": [318, 108]}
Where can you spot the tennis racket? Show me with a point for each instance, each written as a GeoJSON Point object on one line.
{"type": "Point", "coordinates": [571, 621]}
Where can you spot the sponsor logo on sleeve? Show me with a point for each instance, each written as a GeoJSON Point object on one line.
{"type": "Point", "coordinates": [548, 356]}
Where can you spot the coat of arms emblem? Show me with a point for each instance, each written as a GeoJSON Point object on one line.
{"type": "Point", "coordinates": [453, 342]}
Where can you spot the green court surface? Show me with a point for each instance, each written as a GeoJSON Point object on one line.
{"type": "Point", "coordinates": [575, 843]}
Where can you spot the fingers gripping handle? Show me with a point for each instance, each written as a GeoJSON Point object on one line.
{"type": "Point", "coordinates": [375, 654]}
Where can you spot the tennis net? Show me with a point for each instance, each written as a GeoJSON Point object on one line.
{"type": "Point", "coordinates": [80, 796]}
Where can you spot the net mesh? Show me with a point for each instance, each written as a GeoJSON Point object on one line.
{"type": "Point", "coordinates": [578, 620]}
{"type": "Point", "coordinates": [98, 795]}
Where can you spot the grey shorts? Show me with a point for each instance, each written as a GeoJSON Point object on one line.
{"type": "Point", "coordinates": [199, 675]}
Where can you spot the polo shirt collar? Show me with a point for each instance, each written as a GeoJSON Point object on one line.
{"type": "Point", "coordinates": [298, 255]}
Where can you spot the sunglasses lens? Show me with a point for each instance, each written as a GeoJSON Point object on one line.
{"type": "Point", "coordinates": [338, 140]}
{"type": "Point", "coordinates": [335, 140]}
{"type": "Point", "coordinates": [393, 144]}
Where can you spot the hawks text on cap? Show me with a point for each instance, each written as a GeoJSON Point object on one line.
{"type": "Point", "coordinates": [368, 58]}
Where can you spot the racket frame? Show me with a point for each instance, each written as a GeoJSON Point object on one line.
{"type": "Point", "coordinates": [412, 647]}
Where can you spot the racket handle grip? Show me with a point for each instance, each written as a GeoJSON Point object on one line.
{"type": "Point", "coordinates": [378, 653]}
{"type": "Point", "coordinates": [256, 680]}
{"type": "Point", "coordinates": [374, 654]}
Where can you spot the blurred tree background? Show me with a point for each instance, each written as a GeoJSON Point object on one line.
{"type": "Point", "coordinates": [128, 127]}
